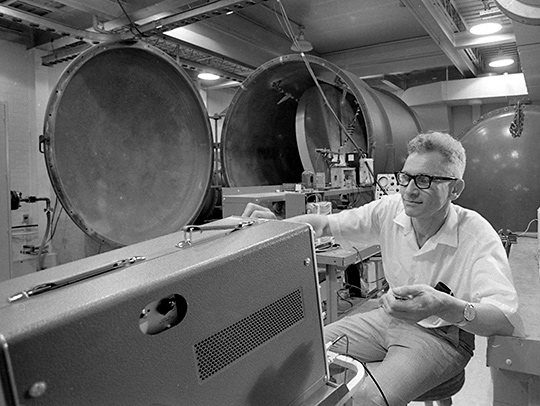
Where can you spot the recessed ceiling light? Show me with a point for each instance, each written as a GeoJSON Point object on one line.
{"type": "Point", "coordinates": [208, 76]}
{"type": "Point", "coordinates": [485, 28]}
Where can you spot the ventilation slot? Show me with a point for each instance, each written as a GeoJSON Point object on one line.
{"type": "Point", "coordinates": [228, 345]}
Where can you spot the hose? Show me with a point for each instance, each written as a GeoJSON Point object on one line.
{"type": "Point", "coordinates": [41, 257]}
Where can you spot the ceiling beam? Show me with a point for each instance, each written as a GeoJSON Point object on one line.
{"type": "Point", "coordinates": [390, 58]}
{"type": "Point", "coordinates": [432, 18]}
{"type": "Point", "coordinates": [60, 29]}
{"type": "Point", "coordinates": [147, 14]}
{"type": "Point", "coordinates": [247, 43]}
{"type": "Point", "coordinates": [462, 40]}
{"type": "Point", "coordinates": [191, 55]}
{"type": "Point", "coordinates": [101, 8]}
{"type": "Point", "coordinates": [198, 14]}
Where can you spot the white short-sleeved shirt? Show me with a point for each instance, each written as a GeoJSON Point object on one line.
{"type": "Point", "coordinates": [466, 254]}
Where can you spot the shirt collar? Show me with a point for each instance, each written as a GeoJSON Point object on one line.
{"type": "Point", "coordinates": [448, 234]}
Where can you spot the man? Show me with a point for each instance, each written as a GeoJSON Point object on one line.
{"type": "Point", "coordinates": [447, 271]}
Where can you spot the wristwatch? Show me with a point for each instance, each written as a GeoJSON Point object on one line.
{"type": "Point", "coordinates": [469, 314]}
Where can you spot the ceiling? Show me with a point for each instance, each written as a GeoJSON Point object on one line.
{"type": "Point", "coordinates": [395, 44]}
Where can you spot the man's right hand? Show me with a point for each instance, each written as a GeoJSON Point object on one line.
{"type": "Point", "coordinates": [257, 211]}
{"type": "Point", "coordinates": [318, 222]}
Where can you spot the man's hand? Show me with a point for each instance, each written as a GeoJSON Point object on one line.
{"type": "Point", "coordinates": [254, 210]}
{"type": "Point", "coordinates": [318, 222]}
{"type": "Point", "coordinates": [414, 302]}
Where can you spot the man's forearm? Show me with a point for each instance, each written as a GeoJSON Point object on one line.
{"type": "Point", "coordinates": [318, 222]}
{"type": "Point", "coordinates": [489, 319]}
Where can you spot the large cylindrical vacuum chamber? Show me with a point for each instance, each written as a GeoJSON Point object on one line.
{"type": "Point", "coordinates": [278, 119]}
{"type": "Point", "coordinates": [129, 148]}
{"type": "Point", "coordinates": [128, 144]}
{"type": "Point", "coordinates": [502, 180]}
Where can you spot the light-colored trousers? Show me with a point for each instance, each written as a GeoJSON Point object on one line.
{"type": "Point", "coordinates": [409, 360]}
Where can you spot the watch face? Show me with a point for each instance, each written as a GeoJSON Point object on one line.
{"type": "Point", "coordinates": [469, 313]}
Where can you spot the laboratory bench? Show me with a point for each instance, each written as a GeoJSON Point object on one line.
{"type": "Point", "coordinates": [235, 199]}
{"type": "Point", "coordinates": [333, 264]}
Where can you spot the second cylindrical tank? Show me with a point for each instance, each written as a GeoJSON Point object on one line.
{"type": "Point", "coordinates": [279, 122]}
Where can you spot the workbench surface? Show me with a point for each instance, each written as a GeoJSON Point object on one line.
{"type": "Point", "coordinates": [524, 263]}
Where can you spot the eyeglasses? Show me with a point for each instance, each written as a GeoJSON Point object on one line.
{"type": "Point", "coordinates": [421, 181]}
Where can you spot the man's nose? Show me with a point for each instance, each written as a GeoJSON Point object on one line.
{"type": "Point", "coordinates": [411, 188]}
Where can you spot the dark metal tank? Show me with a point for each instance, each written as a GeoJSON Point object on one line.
{"type": "Point", "coordinates": [127, 143]}
{"type": "Point", "coordinates": [503, 167]}
{"type": "Point", "coordinates": [278, 118]}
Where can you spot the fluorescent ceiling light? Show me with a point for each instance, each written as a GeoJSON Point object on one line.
{"type": "Point", "coordinates": [207, 76]}
{"type": "Point", "coordinates": [499, 62]}
{"type": "Point", "coordinates": [485, 28]}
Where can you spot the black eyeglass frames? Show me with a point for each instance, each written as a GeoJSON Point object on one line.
{"type": "Point", "coordinates": [421, 181]}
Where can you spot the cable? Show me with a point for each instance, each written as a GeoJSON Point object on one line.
{"type": "Point", "coordinates": [344, 298]}
{"type": "Point", "coordinates": [55, 222]}
{"type": "Point", "coordinates": [371, 376]}
{"type": "Point", "coordinates": [41, 257]}
{"type": "Point", "coordinates": [287, 28]}
{"type": "Point", "coordinates": [373, 379]}
{"type": "Point", "coordinates": [339, 338]}
{"type": "Point", "coordinates": [131, 23]}
{"type": "Point", "coordinates": [334, 342]}
{"type": "Point", "coordinates": [289, 32]}
{"type": "Point", "coordinates": [527, 229]}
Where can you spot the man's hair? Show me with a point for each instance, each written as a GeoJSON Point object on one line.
{"type": "Point", "coordinates": [443, 143]}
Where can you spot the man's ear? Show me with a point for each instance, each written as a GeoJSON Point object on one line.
{"type": "Point", "coordinates": [456, 189]}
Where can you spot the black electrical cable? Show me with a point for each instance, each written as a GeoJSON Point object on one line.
{"type": "Point", "coordinates": [41, 256]}
{"type": "Point", "coordinates": [334, 342]}
{"type": "Point", "coordinates": [55, 222]}
{"type": "Point", "coordinates": [371, 376]}
{"type": "Point", "coordinates": [373, 379]}
{"type": "Point", "coordinates": [131, 23]}
{"type": "Point", "coordinates": [289, 32]}
{"type": "Point", "coordinates": [286, 26]}
{"type": "Point", "coordinates": [344, 336]}
{"type": "Point", "coordinates": [344, 298]}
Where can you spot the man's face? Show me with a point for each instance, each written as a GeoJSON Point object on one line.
{"type": "Point", "coordinates": [431, 203]}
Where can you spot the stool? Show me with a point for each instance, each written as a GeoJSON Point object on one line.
{"type": "Point", "coordinates": [443, 393]}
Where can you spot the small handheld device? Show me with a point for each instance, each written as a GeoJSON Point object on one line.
{"type": "Point", "coordinates": [440, 286]}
